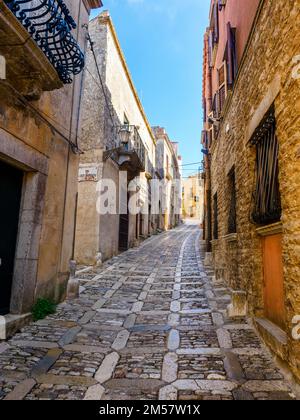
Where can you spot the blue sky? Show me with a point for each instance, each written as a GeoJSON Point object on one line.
{"type": "Point", "coordinates": [162, 41]}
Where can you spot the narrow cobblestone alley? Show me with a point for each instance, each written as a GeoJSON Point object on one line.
{"type": "Point", "coordinates": [148, 325]}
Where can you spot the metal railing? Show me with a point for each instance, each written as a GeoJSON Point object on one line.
{"type": "Point", "coordinates": [129, 138]}
{"type": "Point", "coordinates": [50, 24]}
{"type": "Point", "coordinates": [266, 197]}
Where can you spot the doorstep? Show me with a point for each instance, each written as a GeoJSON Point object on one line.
{"type": "Point", "coordinates": [273, 336]}
{"type": "Point", "coordinates": [10, 324]}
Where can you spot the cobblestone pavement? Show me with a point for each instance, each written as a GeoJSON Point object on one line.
{"type": "Point", "coordinates": [148, 325]}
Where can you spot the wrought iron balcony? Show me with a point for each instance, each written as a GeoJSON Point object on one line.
{"type": "Point", "coordinates": [50, 24]}
{"type": "Point", "coordinates": [130, 152]}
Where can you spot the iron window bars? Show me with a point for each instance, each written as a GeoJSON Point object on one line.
{"type": "Point", "coordinates": [50, 24]}
{"type": "Point", "coordinates": [266, 197]}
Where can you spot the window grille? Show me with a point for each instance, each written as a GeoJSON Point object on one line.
{"type": "Point", "coordinates": [266, 196]}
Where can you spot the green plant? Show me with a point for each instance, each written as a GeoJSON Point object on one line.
{"type": "Point", "coordinates": [42, 308]}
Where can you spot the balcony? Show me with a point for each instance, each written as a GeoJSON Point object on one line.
{"type": "Point", "coordinates": [37, 43]}
{"type": "Point", "coordinates": [130, 153]}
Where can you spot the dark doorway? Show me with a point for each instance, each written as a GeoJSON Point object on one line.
{"type": "Point", "coordinates": [141, 225]}
{"type": "Point", "coordinates": [150, 221]}
{"type": "Point", "coordinates": [11, 180]}
{"type": "Point", "coordinates": [123, 230]}
{"type": "Point", "coordinates": [137, 224]}
{"type": "Point", "coordinates": [123, 233]}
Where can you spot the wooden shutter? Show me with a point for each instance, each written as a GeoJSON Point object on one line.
{"type": "Point", "coordinates": [212, 134]}
{"type": "Point", "coordinates": [229, 56]}
{"type": "Point", "coordinates": [210, 49]}
{"type": "Point", "coordinates": [232, 64]}
{"type": "Point", "coordinates": [222, 86]}
{"type": "Point", "coordinates": [216, 23]}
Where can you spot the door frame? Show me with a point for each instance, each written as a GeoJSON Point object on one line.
{"type": "Point", "coordinates": [11, 187]}
{"type": "Point", "coordinates": [275, 232]}
{"type": "Point", "coordinates": [35, 168]}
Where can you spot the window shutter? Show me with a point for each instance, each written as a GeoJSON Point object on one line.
{"type": "Point", "coordinates": [231, 55]}
{"type": "Point", "coordinates": [215, 106]}
{"type": "Point", "coordinates": [222, 80]}
{"type": "Point", "coordinates": [210, 48]}
{"type": "Point", "coordinates": [204, 110]}
{"type": "Point", "coordinates": [216, 24]}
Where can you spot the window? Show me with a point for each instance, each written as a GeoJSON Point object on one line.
{"type": "Point", "coordinates": [210, 136]}
{"type": "Point", "coordinates": [215, 23]}
{"type": "Point", "coordinates": [213, 36]}
{"type": "Point", "coordinates": [215, 106]}
{"type": "Point", "coordinates": [222, 82]}
{"type": "Point", "coordinates": [216, 221]}
{"type": "Point", "coordinates": [222, 3]}
{"type": "Point", "coordinates": [204, 110]}
{"type": "Point", "coordinates": [266, 196]}
{"type": "Point", "coordinates": [232, 204]}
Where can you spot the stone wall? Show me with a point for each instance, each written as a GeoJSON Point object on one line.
{"type": "Point", "coordinates": [46, 230]}
{"type": "Point", "coordinates": [106, 104]}
{"type": "Point", "coordinates": [265, 76]}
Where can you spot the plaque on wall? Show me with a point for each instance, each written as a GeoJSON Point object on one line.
{"type": "Point", "coordinates": [88, 174]}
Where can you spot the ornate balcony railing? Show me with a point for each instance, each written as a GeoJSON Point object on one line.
{"type": "Point", "coordinates": [50, 24]}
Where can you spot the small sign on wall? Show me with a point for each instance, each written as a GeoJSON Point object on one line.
{"type": "Point", "coordinates": [88, 174]}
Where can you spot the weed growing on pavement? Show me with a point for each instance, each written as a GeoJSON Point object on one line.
{"type": "Point", "coordinates": [42, 308]}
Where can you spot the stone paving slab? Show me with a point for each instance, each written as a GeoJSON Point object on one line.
{"type": "Point", "coordinates": [149, 324]}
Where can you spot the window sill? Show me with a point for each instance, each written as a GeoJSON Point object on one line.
{"type": "Point", "coordinates": [232, 237]}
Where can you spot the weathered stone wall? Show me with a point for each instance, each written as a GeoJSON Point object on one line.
{"type": "Point", "coordinates": [265, 76]}
{"type": "Point", "coordinates": [46, 229]}
{"type": "Point", "coordinates": [192, 184]}
{"type": "Point", "coordinates": [101, 116]}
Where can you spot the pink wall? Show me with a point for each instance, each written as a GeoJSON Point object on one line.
{"type": "Point", "coordinates": [240, 14]}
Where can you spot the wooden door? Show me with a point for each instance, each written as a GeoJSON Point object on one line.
{"type": "Point", "coordinates": [273, 280]}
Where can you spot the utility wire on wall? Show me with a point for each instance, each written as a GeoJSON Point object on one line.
{"type": "Point", "coordinates": [99, 75]}
{"type": "Point", "coordinates": [43, 117]}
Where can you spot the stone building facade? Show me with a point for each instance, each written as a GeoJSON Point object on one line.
{"type": "Point", "coordinates": [251, 136]}
{"type": "Point", "coordinates": [192, 197]}
{"type": "Point", "coordinates": [40, 102]}
{"type": "Point", "coordinates": [116, 139]}
{"type": "Point", "coordinates": [168, 172]}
